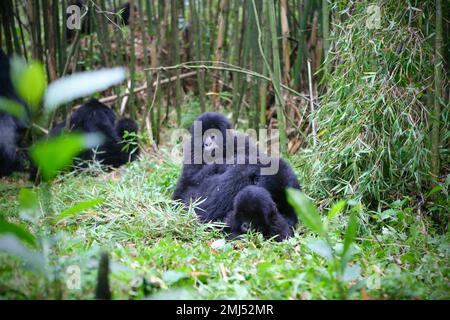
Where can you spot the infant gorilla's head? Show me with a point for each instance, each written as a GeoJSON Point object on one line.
{"type": "Point", "coordinates": [210, 129]}
{"type": "Point", "coordinates": [254, 209]}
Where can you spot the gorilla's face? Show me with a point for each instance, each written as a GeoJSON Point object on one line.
{"type": "Point", "coordinates": [210, 130]}
{"type": "Point", "coordinates": [211, 142]}
{"type": "Point", "coordinates": [256, 220]}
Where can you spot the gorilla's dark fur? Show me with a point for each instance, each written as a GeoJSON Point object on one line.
{"type": "Point", "coordinates": [12, 129]}
{"type": "Point", "coordinates": [95, 117]}
{"type": "Point", "coordinates": [216, 186]}
{"type": "Point", "coordinates": [254, 208]}
{"type": "Point", "coordinates": [194, 173]}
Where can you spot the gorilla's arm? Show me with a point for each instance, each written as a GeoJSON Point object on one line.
{"type": "Point", "coordinates": [277, 184]}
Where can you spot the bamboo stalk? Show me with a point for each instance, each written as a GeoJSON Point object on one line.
{"type": "Point", "coordinates": [198, 53]}
{"type": "Point", "coordinates": [176, 57]}
{"type": "Point", "coordinates": [311, 93]}
{"type": "Point", "coordinates": [325, 31]}
{"type": "Point", "coordinates": [438, 64]}
{"type": "Point", "coordinates": [218, 51]}
{"type": "Point", "coordinates": [277, 78]}
{"type": "Point", "coordinates": [285, 42]}
{"type": "Point", "coordinates": [132, 25]}
{"type": "Point", "coordinates": [51, 55]}
{"type": "Point", "coordinates": [148, 76]}
{"type": "Point", "coordinates": [235, 58]}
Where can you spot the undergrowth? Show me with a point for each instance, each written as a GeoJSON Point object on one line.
{"type": "Point", "coordinates": [159, 250]}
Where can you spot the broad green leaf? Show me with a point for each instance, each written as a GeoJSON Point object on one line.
{"type": "Point", "coordinates": [18, 230]}
{"type": "Point", "coordinates": [320, 247]}
{"type": "Point", "coordinates": [77, 209]}
{"type": "Point", "coordinates": [80, 85]}
{"type": "Point", "coordinates": [55, 154]}
{"type": "Point", "coordinates": [336, 208]}
{"type": "Point", "coordinates": [172, 277]}
{"type": "Point", "coordinates": [11, 244]}
{"type": "Point", "coordinates": [29, 81]}
{"type": "Point", "coordinates": [29, 205]}
{"type": "Point", "coordinates": [13, 107]}
{"type": "Point", "coordinates": [350, 233]}
{"type": "Point", "coordinates": [306, 211]}
{"type": "Point", "coordinates": [27, 199]}
{"type": "Point", "coordinates": [351, 273]}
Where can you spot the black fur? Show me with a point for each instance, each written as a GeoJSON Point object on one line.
{"type": "Point", "coordinates": [216, 186]}
{"type": "Point", "coordinates": [124, 14]}
{"type": "Point", "coordinates": [276, 185]}
{"type": "Point", "coordinates": [195, 173]}
{"type": "Point", "coordinates": [95, 117]}
{"type": "Point", "coordinates": [216, 193]}
{"type": "Point", "coordinates": [254, 209]}
{"type": "Point", "coordinates": [12, 129]}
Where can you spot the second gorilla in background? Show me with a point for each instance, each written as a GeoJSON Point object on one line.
{"type": "Point", "coordinates": [95, 117]}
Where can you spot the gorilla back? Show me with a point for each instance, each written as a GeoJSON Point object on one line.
{"type": "Point", "coordinates": [95, 117]}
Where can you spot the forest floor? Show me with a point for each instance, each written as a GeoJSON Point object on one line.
{"type": "Point", "coordinates": [159, 250]}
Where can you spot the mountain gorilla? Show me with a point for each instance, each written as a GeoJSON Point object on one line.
{"type": "Point", "coordinates": [12, 129]}
{"type": "Point", "coordinates": [254, 208]}
{"type": "Point", "coordinates": [95, 117]}
{"type": "Point", "coordinates": [195, 168]}
{"type": "Point", "coordinates": [217, 185]}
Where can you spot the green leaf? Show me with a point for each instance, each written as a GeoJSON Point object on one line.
{"type": "Point", "coordinates": [55, 154]}
{"type": "Point", "coordinates": [12, 107]}
{"type": "Point", "coordinates": [80, 85]}
{"type": "Point", "coordinates": [18, 230]}
{"type": "Point", "coordinates": [320, 247]}
{"type": "Point", "coordinates": [351, 273]}
{"type": "Point", "coordinates": [336, 208]}
{"type": "Point", "coordinates": [27, 199]}
{"type": "Point", "coordinates": [29, 81]}
{"type": "Point", "coordinates": [435, 190]}
{"type": "Point", "coordinates": [350, 233]}
{"type": "Point", "coordinates": [11, 244]}
{"type": "Point", "coordinates": [77, 209]}
{"type": "Point", "coordinates": [29, 205]}
{"type": "Point", "coordinates": [172, 277]}
{"type": "Point", "coordinates": [306, 211]}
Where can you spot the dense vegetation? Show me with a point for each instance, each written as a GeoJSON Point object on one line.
{"type": "Point", "coordinates": [362, 109]}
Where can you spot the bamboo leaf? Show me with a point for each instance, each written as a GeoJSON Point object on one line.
{"type": "Point", "coordinates": [79, 207]}
{"type": "Point", "coordinates": [350, 234]}
{"type": "Point", "coordinates": [56, 153]}
{"type": "Point", "coordinates": [18, 230]}
{"type": "Point", "coordinates": [306, 211]}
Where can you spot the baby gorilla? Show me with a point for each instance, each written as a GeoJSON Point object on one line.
{"type": "Point", "coordinates": [205, 141]}
{"type": "Point", "coordinates": [95, 117]}
{"type": "Point", "coordinates": [254, 209]}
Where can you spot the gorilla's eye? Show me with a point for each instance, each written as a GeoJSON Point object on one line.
{"type": "Point", "coordinates": [245, 226]}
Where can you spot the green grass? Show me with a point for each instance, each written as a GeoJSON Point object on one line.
{"type": "Point", "coordinates": [159, 249]}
